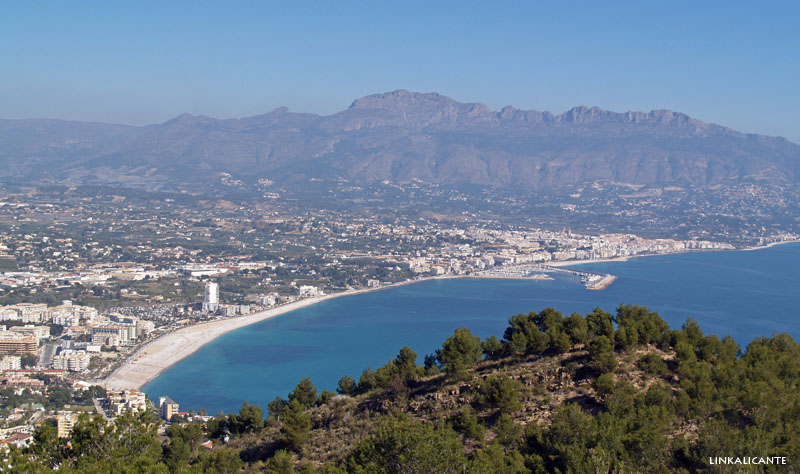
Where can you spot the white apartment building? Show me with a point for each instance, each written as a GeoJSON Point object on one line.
{"type": "Point", "coordinates": [307, 291]}
{"type": "Point", "coordinates": [10, 362]}
{"type": "Point", "coordinates": [66, 320]}
{"type": "Point", "coordinates": [269, 300]}
{"type": "Point", "coordinates": [39, 332]}
{"type": "Point", "coordinates": [128, 322]}
{"type": "Point", "coordinates": [73, 361]}
{"type": "Point", "coordinates": [110, 335]}
{"type": "Point", "coordinates": [25, 312]}
{"type": "Point", "coordinates": [120, 401]}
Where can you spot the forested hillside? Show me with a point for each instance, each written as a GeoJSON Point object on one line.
{"type": "Point", "coordinates": [600, 393]}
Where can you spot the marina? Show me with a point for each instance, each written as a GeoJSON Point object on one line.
{"type": "Point", "coordinates": [591, 280]}
{"type": "Point", "coordinates": [539, 271]}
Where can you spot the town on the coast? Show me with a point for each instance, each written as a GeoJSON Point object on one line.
{"type": "Point", "coordinates": [92, 287]}
{"type": "Point", "coordinates": [387, 238]}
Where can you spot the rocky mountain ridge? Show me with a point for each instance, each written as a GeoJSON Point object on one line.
{"type": "Point", "coordinates": [401, 137]}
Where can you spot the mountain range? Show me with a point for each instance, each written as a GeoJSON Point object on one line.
{"type": "Point", "coordinates": [401, 137]}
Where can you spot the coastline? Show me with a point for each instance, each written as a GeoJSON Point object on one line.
{"type": "Point", "coordinates": [156, 356]}
{"type": "Point", "coordinates": [151, 359]}
{"type": "Point", "coordinates": [569, 263]}
{"type": "Point", "coordinates": [771, 244]}
{"type": "Point", "coordinates": [501, 277]}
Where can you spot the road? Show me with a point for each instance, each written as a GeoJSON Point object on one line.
{"type": "Point", "coordinates": [98, 408]}
{"type": "Point", "coordinates": [47, 353]}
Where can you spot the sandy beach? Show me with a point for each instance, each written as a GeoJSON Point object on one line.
{"type": "Point", "coordinates": [148, 361]}
{"type": "Point", "coordinates": [155, 356]}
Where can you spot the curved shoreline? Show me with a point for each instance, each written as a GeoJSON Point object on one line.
{"type": "Point", "coordinates": [149, 360]}
{"type": "Point", "coordinates": [152, 358]}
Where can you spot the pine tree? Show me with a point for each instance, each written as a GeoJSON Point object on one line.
{"type": "Point", "coordinates": [296, 424]}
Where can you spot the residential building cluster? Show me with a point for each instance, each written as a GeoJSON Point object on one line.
{"type": "Point", "coordinates": [71, 360]}
{"type": "Point", "coordinates": [65, 314]}
{"type": "Point", "coordinates": [118, 402]}
{"type": "Point", "coordinates": [486, 248]}
{"type": "Point", "coordinates": [117, 330]}
{"type": "Point", "coordinates": [29, 330]}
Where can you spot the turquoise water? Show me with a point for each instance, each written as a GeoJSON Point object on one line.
{"type": "Point", "coordinates": [744, 294]}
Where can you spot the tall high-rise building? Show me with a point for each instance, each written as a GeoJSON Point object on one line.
{"type": "Point", "coordinates": [212, 293]}
{"type": "Point", "coordinates": [211, 302]}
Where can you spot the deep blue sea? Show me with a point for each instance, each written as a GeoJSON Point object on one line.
{"type": "Point", "coordinates": [743, 293]}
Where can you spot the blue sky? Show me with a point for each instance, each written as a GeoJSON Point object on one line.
{"type": "Point", "coordinates": [736, 64]}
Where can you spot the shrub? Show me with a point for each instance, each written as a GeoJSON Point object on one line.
{"type": "Point", "coordinates": [653, 364]}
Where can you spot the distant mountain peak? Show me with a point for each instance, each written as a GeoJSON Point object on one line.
{"type": "Point", "coordinates": [401, 98]}
{"type": "Point", "coordinates": [280, 110]}
{"type": "Point", "coordinates": [189, 119]}
{"type": "Point", "coordinates": [423, 108]}
{"type": "Point", "coordinates": [182, 118]}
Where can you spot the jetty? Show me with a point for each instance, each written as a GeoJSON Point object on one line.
{"type": "Point", "coordinates": [600, 283]}
{"type": "Point", "coordinates": [591, 280]}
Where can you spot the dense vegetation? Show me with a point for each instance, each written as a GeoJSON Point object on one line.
{"type": "Point", "coordinates": [599, 393]}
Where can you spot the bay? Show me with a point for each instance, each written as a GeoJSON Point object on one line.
{"type": "Point", "coordinates": [744, 294]}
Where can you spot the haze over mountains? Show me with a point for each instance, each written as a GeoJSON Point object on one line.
{"type": "Point", "coordinates": [401, 136]}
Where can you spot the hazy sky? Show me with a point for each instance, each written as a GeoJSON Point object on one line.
{"type": "Point", "coordinates": [142, 62]}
